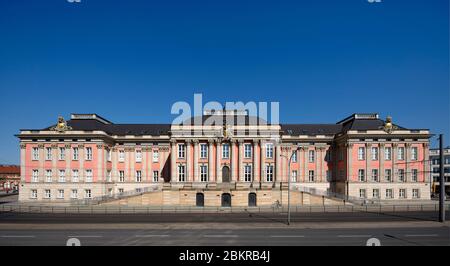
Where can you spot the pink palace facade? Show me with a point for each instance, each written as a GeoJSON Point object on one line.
{"type": "Point", "coordinates": [234, 163]}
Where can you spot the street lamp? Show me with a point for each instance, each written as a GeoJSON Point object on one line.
{"type": "Point", "coordinates": [289, 185]}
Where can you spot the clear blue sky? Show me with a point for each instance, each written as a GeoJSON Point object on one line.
{"type": "Point", "coordinates": [129, 61]}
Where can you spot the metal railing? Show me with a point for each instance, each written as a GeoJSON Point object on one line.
{"type": "Point", "coordinates": [334, 195]}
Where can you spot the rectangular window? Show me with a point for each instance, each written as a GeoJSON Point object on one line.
{"type": "Point", "coordinates": [376, 193]}
{"type": "Point", "coordinates": [311, 156]}
{"type": "Point", "coordinates": [375, 175]}
{"type": "Point", "coordinates": [401, 175]}
{"type": "Point", "coordinates": [181, 173]}
{"type": "Point", "coordinates": [414, 153]}
{"type": "Point", "coordinates": [269, 150]}
{"type": "Point", "coordinates": [247, 150]}
{"type": "Point", "coordinates": [401, 153]}
{"type": "Point", "coordinates": [361, 175]}
{"type": "Point", "coordinates": [181, 150]}
{"type": "Point", "coordinates": [203, 151]}
{"type": "Point", "coordinates": [248, 173]}
{"type": "Point", "coordinates": [311, 176]}
{"type": "Point", "coordinates": [155, 156]}
{"type": "Point", "coordinates": [294, 176]}
{"type": "Point", "coordinates": [88, 176]}
{"type": "Point", "coordinates": [62, 153]}
{"type": "Point", "coordinates": [48, 154]}
{"type": "Point", "coordinates": [35, 154]}
{"type": "Point", "coordinates": [88, 154]}
{"type": "Point", "coordinates": [75, 176]}
{"type": "Point", "coordinates": [74, 194]}
{"type": "Point", "coordinates": [269, 173]}
{"type": "Point", "coordinates": [48, 194]}
{"type": "Point", "coordinates": [415, 193]}
{"type": "Point", "coordinates": [75, 154]}
{"type": "Point", "coordinates": [414, 175]}
{"type": "Point", "coordinates": [155, 176]}
{"type": "Point", "coordinates": [389, 193]}
{"type": "Point", "coordinates": [138, 156]}
{"type": "Point", "coordinates": [62, 176]}
{"type": "Point", "coordinates": [33, 194]}
{"type": "Point", "coordinates": [203, 173]}
{"type": "Point", "coordinates": [294, 157]}
{"type": "Point", "coordinates": [388, 175]}
{"type": "Point", "coordinates": [361, 153]}
{"type": "Point", "coordinates": [87, 194]}
{"type": "Point", "coordinates": [121, 176]}
{"type": "Point", "coordinates": [138, 176]}
{"type": "Point", "coordinates": [60, 193]}
{"type": "Point", "coordinates": [225, 151]}
{"type": "Point", "coordinates": [402, 193]}
{"type": "Point", "coordinates": [48, 176]}
{"type": "Point", "coordinates": [374, 154]}
{"type": "Point", "coordinates": [120, 191]}
{"type": "Point", "coordinates": [121, 156]}
{"type": "Point", "coordinates": [35, 176]}
{"type": "Point", "coordinates": [362, 193]}
{"type": "Point", "coordinates": [387, 153]}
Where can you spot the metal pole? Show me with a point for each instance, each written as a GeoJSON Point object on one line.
{"type": "Point", "coordinates": [441, 180]}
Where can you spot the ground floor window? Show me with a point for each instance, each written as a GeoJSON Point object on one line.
{"type": "Point", "coordinates": [48, 194]}
{"type": "Point", "coordinates": [226, 200]}
{"type": "Point", "coordinates": [415, 193]}
{"type": "Point", "coordinates": [74, 194]}
{"type": "Point", "coordinates": [34, 194]}
{"type": "Point", "coordinates": [389, 193]}
{"type": "Point", "coordinates": [402, 193]}
{"type": "Point", "coordinates": [61, 194]}
{"type": "Point", "coordinates": [199, 200]}
{"type": "Point", "coordinates": [87, 194]}
{"type": "Point", "coordinates": [311, 176]}
{"type": "Point", "coordinates": [376, 193]}
{"type": "Point", "coordinates": [362, 193]}
{"type": "Point", "coordinates": [252, 199]}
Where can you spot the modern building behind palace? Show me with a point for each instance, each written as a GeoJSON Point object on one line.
{"type": "Point", "coordinates": [88, 156]}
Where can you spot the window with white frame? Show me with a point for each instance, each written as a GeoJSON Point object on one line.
{"type": "Point", "coordinates": [387, 153]}
{"type": "Point", "coordinates": [75, 154]}
{"type": "Point", "coordinates": [375, 175]}
{"type": "Point", "coordinates": [35, 176]}
{"type": "Point", "coordinates": [62, 153]}
{"type": "Point", "coordinates": [389, 193]}
{"type": "Point", "coordinates": [48, 175]}
{"type": "Point", "coordinates": [311, 156]}
{"type": "Point", "coordinates": [120, 191]}
{"type": "Point", "coordinates": [33, 194]}
{"type": "Point", "coordinates": [155, 176]}
{"type": "Point", "coordinates": [89, 176]}
{"type": "Point", "coordinates": [362, 193]}
{"type": "Point", "coordinates": [414, 173]}
{"type": "Point", "coordinates": [247, 150]}
{"type": "Point", "coordinates": [181, 173]}
{"type": "Point", "coordinates": [155, 156]}
{"type": "Point", "coordinates": [374, 153]}
{"type": "Point", "coordinates": [48, 194]}
{"type": "Point", "coordinates": [294, 157]}
{"type": "Point", "coordinates": [138, 156]}
{"type": "Point", "coordinates": [401, 175]}
{"type": "Point", "coordinates": [62, 176]}
{"type": "Point", "coordinates": [376, 193]}
{"type": "Point", "coordinates": [60, 194]}
{"type": "Point", "coordinates": [75, 176]}
{"type": "Point", "coordinates": [74, 194]}
{"type": "Point", "coordinates": [402, 193]}
{"type": "Point", "coordinates": [311, 175]}
{"type": "Point", "coordinates": [269, 173]}
{"type": "Point", "coordinates": [361, 153]}
{"type": "Point", "coordinates": [225, 151]}
{"type": "Point", "coordinates": [361, 175]}
{"type": "Point", "coordinates": [121, 156]}
{"type": "Point", "coordinates": [415, 193]}
{"type": "Point", "coordinates": [138, 176]}
{"type": "Point", "coordinates": [414, 154]}
{"type": "Point", "coordinates": [181, 150]}
{"type": "Point", "coordinates": [269, 150]}
{"type": "Point", "coordinates": [203, 173]}
{"type": "Point", "coordinates": [87, 194]}
{"type": "Point", "coordinates": [388, 175]}
{"type": "Point", "coordinates": [88, 154]}
{"type": "Point", "coordinates": [401, 153]}
{"type": "Point", "coordinates": [294, 176]}
{"type": "Point", "coordinates": [247, 173]}
{"type": "Point", "coordinates": [203, 151]}
{"type": "Point", "coordinates": [35, 154]}
{"type": "Point", "coordinates": [48, 154]}
{"type": "Point", "coordinates": [121, 176]}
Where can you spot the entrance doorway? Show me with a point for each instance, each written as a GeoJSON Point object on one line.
{"type": "Point", "coordinates": [252, 199]}
{"type": "Point", "coordinates": [226, 200]}
{"type": "Point", "coordinates": [200, 200]}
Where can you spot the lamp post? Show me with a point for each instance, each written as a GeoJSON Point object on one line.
{"type": "Point", "coordinates": [289, 186]}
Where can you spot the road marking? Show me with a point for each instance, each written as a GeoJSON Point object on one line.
{"type": "Point", "coordinates": [354, 236]}
{"type": "Point", "coordinates": [85, 236]}
{"type": "Point", "coordinates": [287, 236]}
{"type": "Point", "coordinates": [151, 235]}
{"type": "Point", "coordinates": [422, 235]}
{"type": "Point", "coordinates": [220, 236]}
{"type": "Point", "coordinates": [18, 236]}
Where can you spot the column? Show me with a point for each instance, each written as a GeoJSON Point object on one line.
{"type": "Point", "coordinates": [100, 174]}
{"type": "Point", "coordinates": [381, 163]}
{"type": "Point", "coordinates": [255, 167]}
{"type": "Point", "coordinates": [233, 160]}
{"type": "Point", "coordinates": [114, 165]}
{"type": "Point", "coordinates": [407, 160]}
{"type": "Point", "coordinates": [349, 162]}
{"type": "Point", "coordinates": [318, 162]}
{"type": "Point", "coordinates": [394, 162]}
{"type": "Point", "coordinates": [173, 162]}
{"type": "Point", "coordinates": [196, 179]}
{"type": "Point", "coordinates": [81, 172]}
{"type": "Point", "coordinates": [305, 163]}
{"type": "Point", "coordinates": [278, 163]}
{"type": "Point", "coordinates": [41, 175]}
{"type": "Point", "coordinates": [210, 160]}
{"type": "Point", "coordinates": [54, 162]}
{"type": "Point", "coordinates": [262, 153]}
{"type": "Point", "coordinates": [188, 161]}
{"type": "Point", "coordinates": [241, 155]}
{"type": "Point", "coordinates": [218, 170]}
{"type": "Point", "coordinates": [323, 163]}
{"type": "Point", "coordinates": [132, 160]}
{"type": "Point", "coordinates": [68, 149]}
{"type": "Point", "coordinates": [368, 160]}
{"type": "Point", "coordinates": [23, 171]}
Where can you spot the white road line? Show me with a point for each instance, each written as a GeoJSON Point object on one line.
{"type": "Point", "coordinates": [287, 236]}
{"type": "Point", "coordinates": [220, 236]}
{"type": "Point", "coordinates": [422, 235]}
{"type": "Point", "coordinates": [18, 236]}
{"type": "Point", "coordinates": [151, 236]}
{"type": "Point", "coordinates": [85, 236]}
{"type": "Point", "coordinates": [354, 236]}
